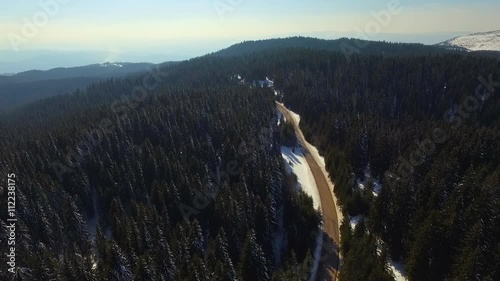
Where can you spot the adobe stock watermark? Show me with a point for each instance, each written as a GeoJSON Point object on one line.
{"type": "Point", "coordinates": [75, 155]}
{"type": "Point", "coordinates": [381, 19]}
{"type": "Point", "coordinates": [222, 7]}
{"type": "Point", "coordinates": [11, 223]}
{"type": "Point", "coordinates": [39, 20]}
{"type": "Point", "coordinates": [455, 116]}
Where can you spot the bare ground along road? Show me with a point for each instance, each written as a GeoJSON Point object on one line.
{"type": "Point", "coordinates": [329, 263]}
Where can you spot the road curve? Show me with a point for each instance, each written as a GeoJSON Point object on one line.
{"type": "Point", "coordinates": [329, 262]}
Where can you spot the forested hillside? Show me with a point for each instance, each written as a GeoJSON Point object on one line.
{"type": "Point", "coordinates": [15, 95]}
{"type": "Point", "coordinates": [344, 45]}
{"type": "Point", "coordinates": [29, 86]}
{"type": "Point", "coordinates": [185, 182]}
{"type": "Point", "coordinates": [427, 130]}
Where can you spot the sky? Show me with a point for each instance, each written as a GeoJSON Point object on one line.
{"type": "Point", "coordinates": [128, 30]}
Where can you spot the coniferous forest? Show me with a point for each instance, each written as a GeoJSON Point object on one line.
{"type": "Point", "coordinates": [186, 183]}
{"type": "Point", "coordinates": [178, 174]}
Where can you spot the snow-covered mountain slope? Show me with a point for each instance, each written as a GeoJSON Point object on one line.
{"type": "Point", "coordinates": [483, 41]}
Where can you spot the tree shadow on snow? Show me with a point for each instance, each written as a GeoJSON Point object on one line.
{"type": "Point", "coordinates": [329, 259]}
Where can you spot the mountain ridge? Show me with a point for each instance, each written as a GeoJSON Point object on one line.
{"type": "Point", "coordinates": [479, 41]}
{"type": "Point", "coordinates": [107, 69]}
{"type": "Point", "coordinates": [343, 44]}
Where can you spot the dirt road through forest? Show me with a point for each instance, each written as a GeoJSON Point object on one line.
{"type": "Point", "coordinates": [329, 262]}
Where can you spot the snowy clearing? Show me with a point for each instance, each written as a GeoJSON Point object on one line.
{"type": "Point", "coordinates": [296, 163]}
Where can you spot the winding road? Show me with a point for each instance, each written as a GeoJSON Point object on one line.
{"type": "Point", "coordinates": [330, 261]}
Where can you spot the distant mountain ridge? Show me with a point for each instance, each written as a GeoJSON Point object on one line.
{"type": "Point", "coordinates": [336, 45]}
{"type": "Point", "coordinates": [94, 70]}
{"type": "Point", "coordinates": [481, 41]}
{"type": "Point", "coordinates": [25, 87]}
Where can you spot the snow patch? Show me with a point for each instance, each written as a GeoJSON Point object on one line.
{"type": "Point", "coordinates": [239, 78]}
{"type": "Point", "coordinates": [362, 184]}
{"type": "Point", "coordinates": [267, 83]}
{"type": "Point", "coordinates": [379, 245]}
{"type": "Point", "coordinates": [281, 118]}
{"type": "Point", "coordinates": [376, 187]}
{"type": "Point", "coordinates": [353, 221]}
{"type": "Point", "coordinates": [397, 270]}
{"type": "Point", "coordinates": [483, 41]}
{"type": "Point", "coordinates": [106, 64]}
{"type": "Point", "coordinates": [296, 163]}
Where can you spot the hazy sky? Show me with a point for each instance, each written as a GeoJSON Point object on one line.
{"type": "Point", "coordinates": [194, 27]}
